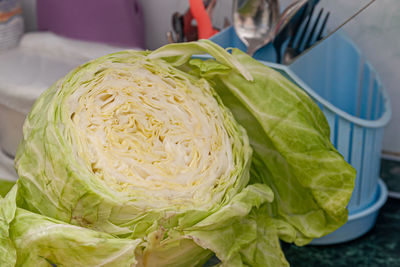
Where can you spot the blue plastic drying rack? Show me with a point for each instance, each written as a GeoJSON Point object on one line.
{"type": "Point", "coordinates": [349, 92]}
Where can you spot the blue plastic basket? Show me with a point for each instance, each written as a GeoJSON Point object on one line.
{"type": "Point", "coordinates": [356, 105]}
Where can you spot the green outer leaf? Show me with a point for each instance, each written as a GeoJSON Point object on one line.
{"type": "Point", "coordinates": [40, 241]}
{"type": "Point", "coordinates": [173, 251]}
{"type": "Point", "coordinates": [267, 247]}
{"type": "Point", "coordinates": [242, 233]}
{"type": "Point", "coordinates": [29, 239]}
{"type": "Point", "coordinates": [8, 256]}
{"type": "Point", "coordinates": [179, 54]}
{"type": "Point", "coordinates": [209, 68]}
{"type": "Point", "coordinates": [292, 150]}
{"type": "Point", "coordinates": [290, 137]}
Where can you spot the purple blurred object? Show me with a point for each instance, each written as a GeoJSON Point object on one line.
{"type": "Point", "coordinates": [114, 22]}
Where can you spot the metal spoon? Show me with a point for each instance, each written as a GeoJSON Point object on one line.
{"type": "Point", "coordinates": [254, 22]}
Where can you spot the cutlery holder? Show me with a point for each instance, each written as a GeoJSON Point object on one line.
{"type": "Point", "coordinates": [349, 92]}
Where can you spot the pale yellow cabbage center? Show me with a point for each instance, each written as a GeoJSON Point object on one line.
{"type": "Point", "coordinates": [153, 137]}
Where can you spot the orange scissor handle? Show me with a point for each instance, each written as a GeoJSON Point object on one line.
{"type": "Point", "coordinates": [200, 14]}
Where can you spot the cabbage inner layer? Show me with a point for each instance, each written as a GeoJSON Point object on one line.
{"type": "Point", "coordinates": [153, 136]}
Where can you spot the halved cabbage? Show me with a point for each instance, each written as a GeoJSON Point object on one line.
{"type": "Point", "coordinates": [138, 147]}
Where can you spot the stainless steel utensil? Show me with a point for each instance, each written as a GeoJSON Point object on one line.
{"type": "Point", "coordinates": [293, 48]}
{"type": "Point", "coordinates": [288, 14]}
{"type": "Point", "coordinates": [300, 37]}
{"type": "Point", "coordinates": [254, 22]}
{"type": "Point", "coordinates": [291, 16]}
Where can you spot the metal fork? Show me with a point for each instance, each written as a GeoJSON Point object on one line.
{"type": "Point", "coordinates": [297, 32]}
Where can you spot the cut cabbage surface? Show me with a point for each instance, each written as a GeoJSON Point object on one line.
{"type": "Point", "coordinates": [148, 135]}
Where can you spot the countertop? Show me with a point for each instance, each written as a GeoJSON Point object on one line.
{"type": "Point", "coordinates": [379, 247]}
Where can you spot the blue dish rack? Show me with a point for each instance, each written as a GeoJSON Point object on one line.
{"type": "Point", "coordinates": [349, 92]}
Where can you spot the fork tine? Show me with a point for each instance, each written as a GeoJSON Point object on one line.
{"type": "Point", "coordinates": [310, 36]}
{"type": "Point", "coordinates": [303, 34]}
{"type": "Point", "coordinates": [321, 31]}
{"type": "Point", "coordinates": [297, 27]}
{"type": "Point", "coordinates": [288, 33]}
